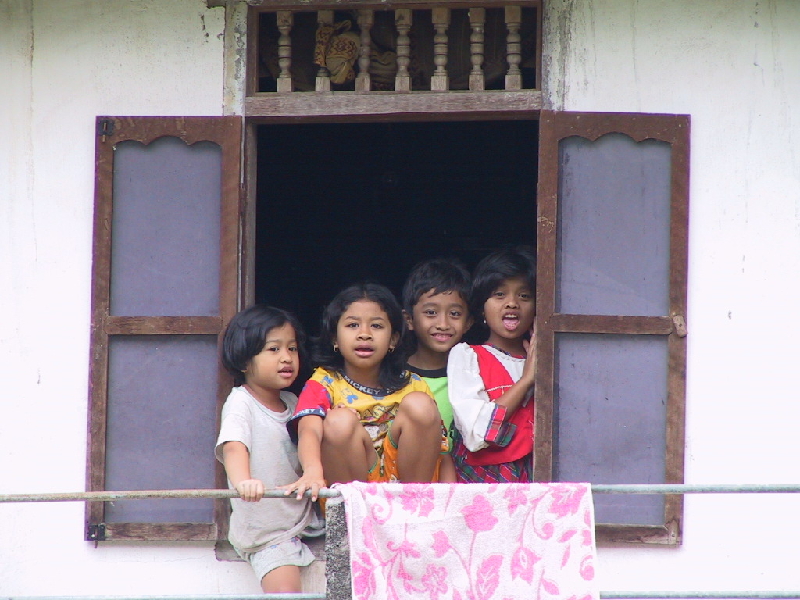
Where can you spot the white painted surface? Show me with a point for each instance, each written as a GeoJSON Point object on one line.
{"type": "Point", "coordinates": [733, 66]}
{"type": "Point", "coordinates": [63, 62]}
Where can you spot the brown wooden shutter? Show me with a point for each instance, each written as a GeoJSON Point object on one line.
{"type": "Point", "coordinates": [165, 279]}
{"type": "Point", "coordinates": [611, 302]}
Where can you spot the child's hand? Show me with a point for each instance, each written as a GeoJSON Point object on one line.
{"type": "Point", "coordinates": [250, 490]}
{"type": "Point", "coordinates": [308, 481]}
{"type": "Point", "coordinates": [529, 369]}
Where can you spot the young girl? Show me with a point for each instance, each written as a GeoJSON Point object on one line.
{"type": "Point", "coordinates": [491, 385]}
{"type": "Point", "coordinates": [362, 416]}
{"type": "Point", "coordinates": [261, 350]}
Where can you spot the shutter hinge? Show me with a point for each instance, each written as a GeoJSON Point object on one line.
{"type": "Point", "coordinates": [679, 325]}
{"type": "Point", "coordinates": [105, 128]}
{"type": "Point", "coordinates": [96, 532]}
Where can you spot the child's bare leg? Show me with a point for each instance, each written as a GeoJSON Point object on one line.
{"type": "Point", "coordinates": [447, 470]}
{"type": "Point", "coordinates": [284, 580]}
{"type": "Point", "coordinates": [417, 431]}
{"type": "Point", "coordinates": [347, 451]}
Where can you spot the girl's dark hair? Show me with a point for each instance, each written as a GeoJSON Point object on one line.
{"type": "Point", "coordinates": [495, 268]}
{"type": "Point", "coordinates": [246, 336]}
{"type": "Point", "coordinates": [392, 374]}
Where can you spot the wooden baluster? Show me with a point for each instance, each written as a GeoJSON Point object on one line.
{"type": "Point", "coordinates": [477, 19]}
{"type": "Point", "coordinates": [514, 45]}
{"type": "Point", "coordinates": [366, 18]}
{"type": "Point", "coordinates": [402, 20]}
{"type": "Point", "coordinates": [285, 23]}
{"type": "Point", "coordinates": [324, 17]}
{"type": "Point", "coordinates": [441, 19]}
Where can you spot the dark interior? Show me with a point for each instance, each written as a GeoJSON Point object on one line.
{"type": "Point", "coordinates": [339, 203]}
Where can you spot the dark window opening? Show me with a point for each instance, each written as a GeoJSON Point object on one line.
{"type": "Point", "coordinates": [339, 203]}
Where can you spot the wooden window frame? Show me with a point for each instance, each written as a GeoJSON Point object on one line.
{"type": "Point", "coordinates": [674, 130]}
{"type": "Point", "coordinates": [227, 133]}
{"type": "Point", "coordinates": [553, 126]}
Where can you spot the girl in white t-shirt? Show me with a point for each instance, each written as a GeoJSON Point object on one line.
{"type": "Point", "coordinates": [261, 349]}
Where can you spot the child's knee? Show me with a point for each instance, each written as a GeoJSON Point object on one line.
{"type": "Point", "coordinates": [420, 408]}
{"type": "Point", "coordinates": [339, 425]}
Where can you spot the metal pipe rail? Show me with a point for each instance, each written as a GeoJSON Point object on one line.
{"type": "Point", "coordinates": [612, 488]}
{"type": "Point", "coordinates": [659, 488]}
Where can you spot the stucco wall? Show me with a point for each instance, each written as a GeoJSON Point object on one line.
{"type": "Point", "coordinates": [732, 66]}
{"type": "Point", "coordinates": [63, 62]}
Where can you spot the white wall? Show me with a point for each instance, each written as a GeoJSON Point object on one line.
{"type": "Point", "coordinates": [735, 68]}
{"type": "Point", "coordinates": [63, 62]}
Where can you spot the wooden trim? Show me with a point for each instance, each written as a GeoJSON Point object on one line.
{"type": "Point", "coordinates": [191, 130]}
{"type": "Point", "coordinates": [666, 128]}
{"type": "Point", "coordinates": [227, 133]}
{"type": "Point", "coordinates": [163, 325]}
{"type": "Point", "coordinates": [673, 129]}
{"type": "Point", "coordinates": [606, 534]}
{"type": "Point", "coordinates": [313, 5]}
{"type": "Point", "coordinates": [610, 324]}
{"type": "Point", "coordinates": [101, 292]}
{"type": "Point", "coordinates": [539, 45]}
{"type": "Point", "coordinates": [253, 40]}
{"type": "Point", "coordinates": [547, 199]}
{"type": "Point", "coordinates": [677, 346]}
{"type": "Point", "coordinates": [250, 201]}
{"type": "Point", "coordinates": [229, 285]}
{"type": "Point", "coordinates": [393, 106]}
{"type": "Point", "coordinates": [161, 532]}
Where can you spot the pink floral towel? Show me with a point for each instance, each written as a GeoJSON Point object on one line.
{"type": "Point", "coordinates": [471, 541]}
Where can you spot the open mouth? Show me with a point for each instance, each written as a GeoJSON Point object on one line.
{"type": "Point", "coordinates": [286, 372]}
{"type": "Point", "coordinates": [511, 321]}
{"type": "Point", "coordinates": [364, 351]}
{"type": "Point", "coordinates": [442, 337]}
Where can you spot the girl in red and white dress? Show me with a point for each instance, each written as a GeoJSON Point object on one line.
{"type": "Point", "coordinates": [491, 384]}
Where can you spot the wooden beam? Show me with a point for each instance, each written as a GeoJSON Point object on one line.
{"type": "Point", "coordinates": [310, 105]}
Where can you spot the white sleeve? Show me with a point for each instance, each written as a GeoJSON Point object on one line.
{"type": "Point", "coordinates": [236, 424]}
{"type": "Point", "coordinates": [473, 410]}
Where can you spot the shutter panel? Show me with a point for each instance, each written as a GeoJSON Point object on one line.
{"type": "Point", "coordinates": [612, 246]}
{"type": "Point", "coordinates": [164, 282]}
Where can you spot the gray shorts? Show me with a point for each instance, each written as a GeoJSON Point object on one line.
{"type": "Point", "coordinates": [290, 552]}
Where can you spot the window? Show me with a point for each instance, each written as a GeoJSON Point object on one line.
{"type": "Point", "coordinates": [612, 249]}
{"type": "Point", "coordinates": [164, 281]}
{"type": "Point", "coordinates": [611, 237]}
{"type": "Point", "coordinates": [176, 253]}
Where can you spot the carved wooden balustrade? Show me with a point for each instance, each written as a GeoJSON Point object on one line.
{"type": "Point", "coordinates": [432, 48]}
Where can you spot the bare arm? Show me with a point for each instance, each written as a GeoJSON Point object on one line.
{"type": "Point", "coordinates": [236, 459]}
{"type": "Point", "coordinates": [517, 393]}
{"type": "Point", "coordinates": [309, 441]}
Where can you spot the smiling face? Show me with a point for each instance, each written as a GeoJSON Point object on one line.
{"type": "Point", "coordinates": [509, 313]}
{"type": "Point", "coordinates": [364, 336]}
{"type": "Point", "coordinates": [438, 322]}
{"type": "Point", "coordinates": [276, 366]}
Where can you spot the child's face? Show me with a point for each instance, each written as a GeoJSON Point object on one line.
{"type": "Point", "coordinates": [439, 320]}
{"type": "Point", "coordinates": [277, 365]}
{"type": "Point", "coordinates": [364, 335]}
{"type": "Point", "coordinates": [509, 310]}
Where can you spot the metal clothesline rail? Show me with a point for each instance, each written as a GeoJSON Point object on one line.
{"type": "Point", "coordinates": [659, 488]}
{"type": "Point", "coordinates": [611, 488]}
